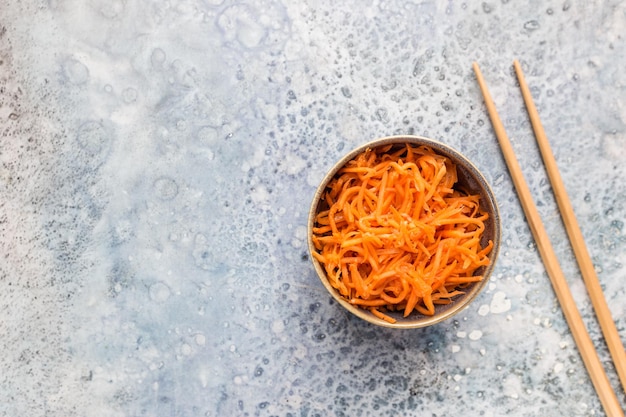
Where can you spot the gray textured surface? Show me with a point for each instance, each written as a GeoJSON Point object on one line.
{"type": "Point", "coordinates": [157, 161]}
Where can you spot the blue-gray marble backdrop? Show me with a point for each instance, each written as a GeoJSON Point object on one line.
{"type": "Point", "coordinates": [157, 163]}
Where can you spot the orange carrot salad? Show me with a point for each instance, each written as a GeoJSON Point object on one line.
{"type": "Point", "coordinates": [393, 233]}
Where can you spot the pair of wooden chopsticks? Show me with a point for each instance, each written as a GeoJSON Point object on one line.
{"type": "Point", "coordinates": [572, 315]}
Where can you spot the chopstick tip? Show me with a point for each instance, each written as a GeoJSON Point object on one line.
{"type": "Point", "coordinates": [477, 71]}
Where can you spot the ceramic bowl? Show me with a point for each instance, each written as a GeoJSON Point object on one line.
{"type": "Point", "coordinates": [469, 179]}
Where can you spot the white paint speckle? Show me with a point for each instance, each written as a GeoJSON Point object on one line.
{"type": "Point", "coordinates": [278, 326]}
{"type": "Point", "coordinates": [512, 386]}
{"type": "Point", "coordinates": [558, 367]}
{"type": "Point", "coordinates": [294, 164]}
{"type": "Point", "coordinates": [475, 335]}
{"type": "Point", "coordinates": [296, 243]}
{"type": "Point", "coordinates": [483, 310]}
{"type": "Point", "coordinates": [314, 176]}
{"type": "Point", "coordinates": [455, 348]}
{"type": "Point", "coordinates": [200, 339]}
{"type": "Point", "coordinates": [185, 349]}
{"type": "Point", "coordinates": [499, 303]}
{"type": "Point", "coordinates": [259, 194]}
{"type": "Point", "coordinates": [300, 352]}
{"type": "Point", "coordinates": [300, 232]}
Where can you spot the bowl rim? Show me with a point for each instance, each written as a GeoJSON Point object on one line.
{"type": "Point", "coordinates": [492, 206]}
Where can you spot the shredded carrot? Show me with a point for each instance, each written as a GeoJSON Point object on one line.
{"type": "Point", "coordinates": [394, 234]}
{"type": "Point", "coordinates": [382, 315]}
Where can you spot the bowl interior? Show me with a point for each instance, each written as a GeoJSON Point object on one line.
{"type": "Point", "coordinates": [471, 181]}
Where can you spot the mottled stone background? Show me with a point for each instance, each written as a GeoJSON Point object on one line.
{"type": "Point", "coordinates": [157, 162]}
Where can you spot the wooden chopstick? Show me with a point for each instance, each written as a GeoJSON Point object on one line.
{"type": "Point", "coordinates": [613, 341]}
{"type": "Point", "coordinates": [587, 351]}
